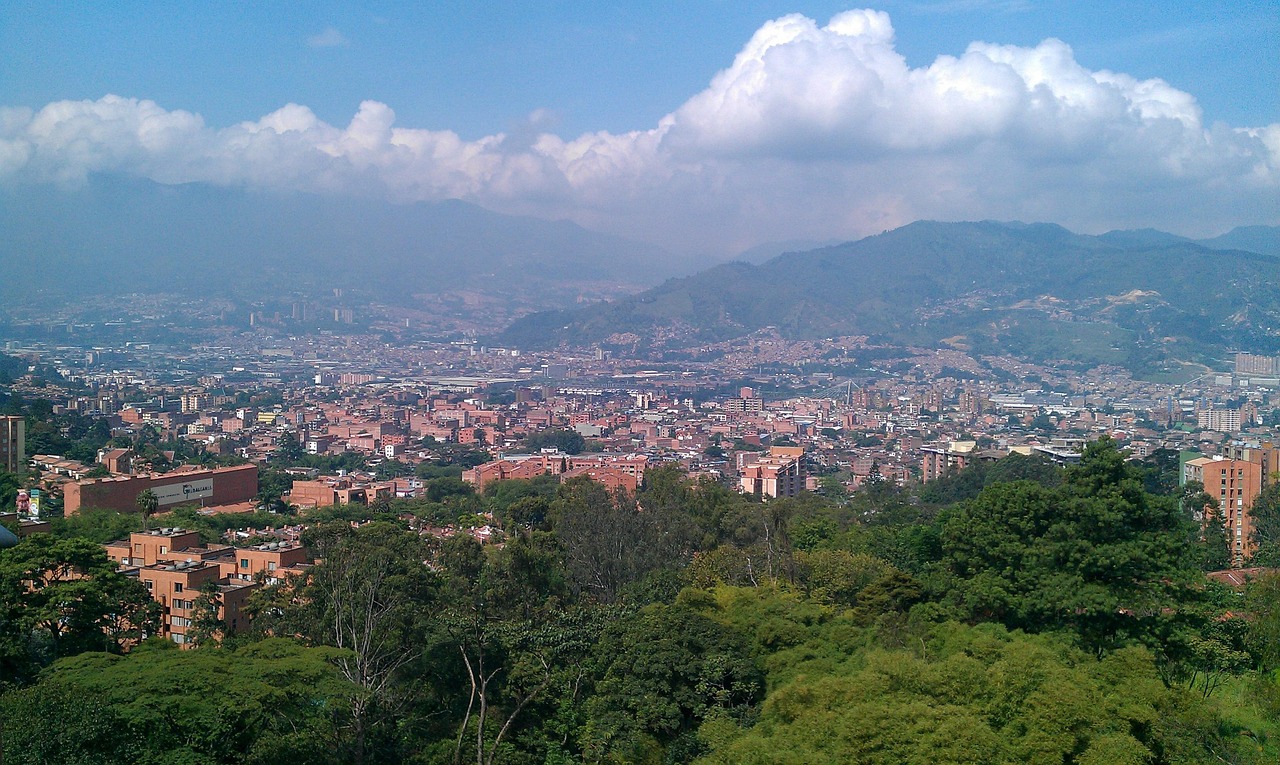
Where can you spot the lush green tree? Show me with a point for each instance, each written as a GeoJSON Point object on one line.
{"type": "Point", "coordinates": [664, 670]}
{"type": "Point", "coordinates": [501, 494]}
{"type": "Point", "coordinates": [1265, 513]}
{"type": "Point", "coordinates": [60, 597]}
{"type": "Point", "coordinates": [451, 455]}
{"type": "Point", "coordinates": [289, 450]}
{"type": "Point", "coordinates": [837, 577]}
{"type": "Point", "coordinates": [89, 730]}
{"type": "Point", "coordinates": [1162, 472]}
{"type": "Point", "coordinates": [609, 542]}
{"type": "Point", "coordinates": [10, 483]}
{"type": "Point", "coordinates": [967, 483]}
{"type": "Point", "coordinates": [206, 628]}
{"type": "Point", "coordinates": [370, 596]}
{"type": "Point", "coordinates": [272, 701]}
{"type": "Point", "coordinates": [1263, 603]}
{"type": "Point", "coordinates": [1098, 555]}
{"type": "Point", "coordinates": [522, 644]}
{"type": "Point", "coordinates": [567, 441]}
{"type": "Point", "coordinates": [435, 470]}
{"type": "Point", "coordinates": [147, 503]}
{"type": "Point", "coordinates": [755, 542]}
{"type": "Point", "coordinates": [388, 469]}
{"type": "Point", "coordinates": [1209, 544]}
{"type": "Point", "coordinates": [273, 483]}
{"type": "Point", "coordinates": [976, 695]}
{"type": "Point", "coordinates": [437, 489]}
{"type": "Point", "coordinates": [213, 527]}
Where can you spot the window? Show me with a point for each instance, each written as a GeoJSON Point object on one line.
{"type": "Point", "coordinates": [163, 549]}
{"type": "Point", "coordinates": [271, 566]}
{"type": "Point", "coordinates": [149, 584]}
{"type": "Point", "coordinates": [177, 586]}
{"type": "Point", "coordinates": [178, 638]}
{"type": "Point", "coordinates": [179, 621]}
{"type": "Point", "coordinates": [244, 563]}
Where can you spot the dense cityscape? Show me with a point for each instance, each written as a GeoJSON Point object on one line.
{"type": "Point", "coordinates": [212, 465]}
{"type": "Point", "coordinates": [640, 384]}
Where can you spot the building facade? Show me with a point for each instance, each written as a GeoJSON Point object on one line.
{"type": "Point", "coordinates": [777, 475]}
{"type": "Point", "coordinates": [1235, 484]}
{"type": "Point", "coordinates": [13, 443]}
{"type": "Point", "coordinates": [178, 570]}
{"type": "Point", "coordinates": [1250, 364]}
{"type": "Point", "coordinates": [219, 486]}
{"type": "Point", "coordinates": [937, 461]}
{"type": "Point", "coordinates": [1221, 420]}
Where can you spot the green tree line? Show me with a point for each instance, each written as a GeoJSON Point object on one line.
{"type": "Point", "coordinates": [1038, 615]}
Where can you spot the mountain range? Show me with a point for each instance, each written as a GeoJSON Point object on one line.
{"type": "Point", "coordinates": [1135, 297]}
{"type": "Point", "coordinates": [122, 236]}
{"type": "Point", "coordinates": [1038, 290]}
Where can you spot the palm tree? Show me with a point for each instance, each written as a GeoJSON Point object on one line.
{"type": "Point", "coordinates": [147, 503]}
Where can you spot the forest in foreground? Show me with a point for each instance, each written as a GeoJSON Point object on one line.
{"type": "Point", "coordinates": [1012, 612]}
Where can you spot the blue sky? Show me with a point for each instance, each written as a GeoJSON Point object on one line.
{"type": "Point", "coordinates": [506, 78]}
{"type": "Point", "coordinates": [479, 68]}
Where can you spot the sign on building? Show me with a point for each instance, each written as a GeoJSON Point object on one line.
{"type": "Point", "coordinates": [184, 492]}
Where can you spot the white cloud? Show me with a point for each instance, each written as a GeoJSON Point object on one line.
{"type": "Point", "coordinates": [329, 38]}
{"type": "Point", "coordinates": [812, 131]}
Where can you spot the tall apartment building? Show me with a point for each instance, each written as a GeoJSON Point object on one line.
{"type": "Point", "coordinates": [1235, 484]}
{"type": "Point", "coordinates": [1264, 453]}
{"type": "Point", "coordinates": [1249, 364]}
{"type": "Point", "coordinates": [936, 461]}
{"type": "Point", "coordinates": [743, 405]}
{"type": "Point", "coordinates": [194, 402]}
{"type": "Point", "coordinates": [13, 443]}
{"type": "Point", "coordinates": [777, 475]}
{"type": "Point", "coordinates": [1221, 420]}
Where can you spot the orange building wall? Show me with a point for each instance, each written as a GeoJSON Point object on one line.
{"type": "Point", "coordinates": [230, 485]}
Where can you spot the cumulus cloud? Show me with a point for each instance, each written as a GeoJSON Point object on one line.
{"type": "Point", "coordinates": [329, 38]}
{"type": "Point", "coordinates": [812, 131]}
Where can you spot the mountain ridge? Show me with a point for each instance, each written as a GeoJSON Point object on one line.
{"type": "Point", "coordinates": [121, 236]}
{"type": "Point", "coordinates": [928, 280]}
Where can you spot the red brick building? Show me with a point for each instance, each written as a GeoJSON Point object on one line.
{"type": "Point", "coordinates": [219, 486]}
{"type": "Point", "coordinates": [1235, 484]}
{"type": "Point", "coordinates": [174, 567]}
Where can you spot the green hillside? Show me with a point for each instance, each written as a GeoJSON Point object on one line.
{"type": "Point", "coordinates": [1031, 289]}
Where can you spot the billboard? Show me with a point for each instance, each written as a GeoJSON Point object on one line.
{"type": "Point", "coordinates": [35, 503]}
{"type": "Point", "coordinates": [184, 492]}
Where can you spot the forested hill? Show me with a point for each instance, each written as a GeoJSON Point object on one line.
{"type": "Point", "coordinates": [1030, 289]}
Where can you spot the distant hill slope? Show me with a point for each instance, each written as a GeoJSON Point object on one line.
{"type": "Point", "coordinates": [769, 250]}
{"type": "Point", "coordinates": [123, 236]}
{"type": "Point", "coordinates": [1035, 289]}
{"type": "Point", "coordinates": [1260, 239]}
{"type": "Point", "coordinates": [1263, 239]}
